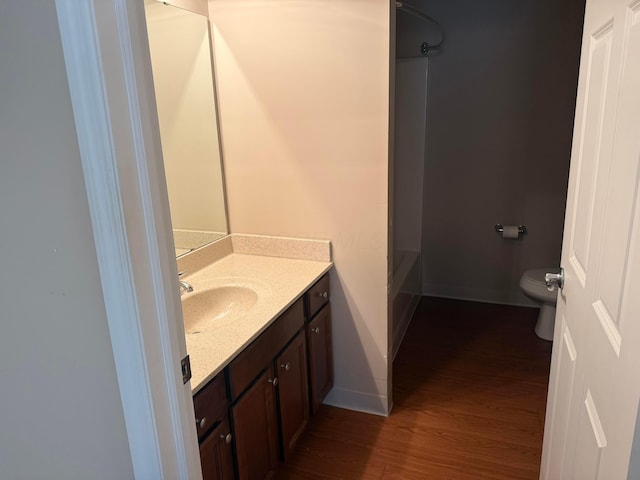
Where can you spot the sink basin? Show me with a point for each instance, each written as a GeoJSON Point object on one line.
{"type": "Point", "coordinates": [216, 306]}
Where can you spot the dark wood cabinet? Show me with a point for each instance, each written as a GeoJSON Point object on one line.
{"type": "Point", "coordinates": [320, 357]}
{"type": "Point", "coordinates": [253, 413]}
{"type": "Point", "coordinates": [255, 430]}
{"type": "Point", "coordinates": [211, 406]}
{"type": "Point", "coordinates": [216, 454]}
{"type": "Point", "coordinates": [319, 342]}
{"type": "Point", "coordinates": [275, 408]}
{"type": "Point", "coordinates": [293, 392]}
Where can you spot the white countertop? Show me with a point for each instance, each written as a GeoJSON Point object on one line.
{"type": "Point", "coordinates": [279, 283]}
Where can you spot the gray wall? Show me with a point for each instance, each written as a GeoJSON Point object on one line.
{"type": "Point", "coordinates": [501, 98]}
{"type": "Point", "coordinates": [61, 415]}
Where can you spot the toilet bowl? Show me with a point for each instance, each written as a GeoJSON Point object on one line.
{"type": "Point", "coordinates": [533, 285]}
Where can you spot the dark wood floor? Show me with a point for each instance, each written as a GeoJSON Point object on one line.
{"type": "Point", "coordinates": [469, 387]}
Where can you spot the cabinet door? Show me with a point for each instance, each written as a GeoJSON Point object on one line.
{"type": "Point", "coordinates": [255, 430]}
{"type": "Point", "coordinates": [320, 357]}
{"type": "Point", "coordinates": [216, 455]}
{"type": "Point", "coordinates": [293, 392]}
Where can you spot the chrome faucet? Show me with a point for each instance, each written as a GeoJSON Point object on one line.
{"type": "Point", "coordinates": [184, 286]}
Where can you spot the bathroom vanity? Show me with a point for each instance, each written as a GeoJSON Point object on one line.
{"type": "Point", "coordinates": [259, 371]}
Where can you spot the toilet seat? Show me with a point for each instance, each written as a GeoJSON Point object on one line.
{"type": "Point", "coordinates": [532, 283]}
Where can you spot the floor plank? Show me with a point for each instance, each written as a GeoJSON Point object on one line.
{"type": "Point", "coordinates": [470, 385]}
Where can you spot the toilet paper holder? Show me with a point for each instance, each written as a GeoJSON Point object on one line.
{"type": "Point", "coordinates": [521, 228]}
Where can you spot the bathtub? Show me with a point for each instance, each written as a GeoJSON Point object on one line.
{"type": "Point", "coordinates": [405, 293]}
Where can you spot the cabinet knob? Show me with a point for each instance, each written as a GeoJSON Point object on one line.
{"type": "Point", "coordinates": [227, 438]}
{"type": "Point", "coordinates": [324, 295]}
{"type": "Point", "coordinates": [286, 367]}
{"type": "Point", "coordinates": [316, 330]}
{"type": "Point", "coordinates": [200, 423]}
{"type": "Point", "coordinates": [274, 381]}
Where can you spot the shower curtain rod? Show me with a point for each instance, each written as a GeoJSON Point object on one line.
{"type": "Point", "coordinates": [417, 13]}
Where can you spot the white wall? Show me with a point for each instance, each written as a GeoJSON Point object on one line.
{"type": "Point", "coordinates": [501, 98]}
{"type": "Point", "coordinates": [61, 413]}
{"type": "Point", "coordinates": [304, 104]}
{"type": "Point", "coordinates": [410, 131]}
{"type": "Point", "coordinates": [182, 74]}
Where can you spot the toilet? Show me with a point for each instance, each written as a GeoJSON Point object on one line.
{"type": "Point", "coordinates": [533, 285]}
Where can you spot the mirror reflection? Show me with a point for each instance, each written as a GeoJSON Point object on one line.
{"type": "Point", "coordinates": [180, 46]}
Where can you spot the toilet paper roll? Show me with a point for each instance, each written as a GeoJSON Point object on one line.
{"type": "Point", "coordinates": [510, 231]}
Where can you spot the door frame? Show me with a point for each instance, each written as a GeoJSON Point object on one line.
{"type": "Point", "coordinates": [109, 74]}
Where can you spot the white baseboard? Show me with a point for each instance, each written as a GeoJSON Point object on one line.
{"type": "Point", "coordinates": [358, 401]}
{"type": "Point", "coordinates": [501, 297]}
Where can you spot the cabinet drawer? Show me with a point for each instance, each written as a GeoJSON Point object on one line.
{"type": "Point", "coordinates": [210, 404]}
{"type": "Point", "coordinates": [253, 359]}
{"type": "Point", "coordinates": [317, 296]}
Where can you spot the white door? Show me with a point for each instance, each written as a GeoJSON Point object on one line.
{"type": "Point", "coordinates": [595, 383]}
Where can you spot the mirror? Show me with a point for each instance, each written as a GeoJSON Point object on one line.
{"type": "Point", "coordinates": [180, 46]}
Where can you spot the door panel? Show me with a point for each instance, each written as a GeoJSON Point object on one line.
{"type": "Point", "coordinates": [590, 148]}
{"type": "Point", "coordinates": [567, 388]}
{"type": "Point", "coordinates": [562, 401]}
{"type": "Point", "coordinates": [591, 441]}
